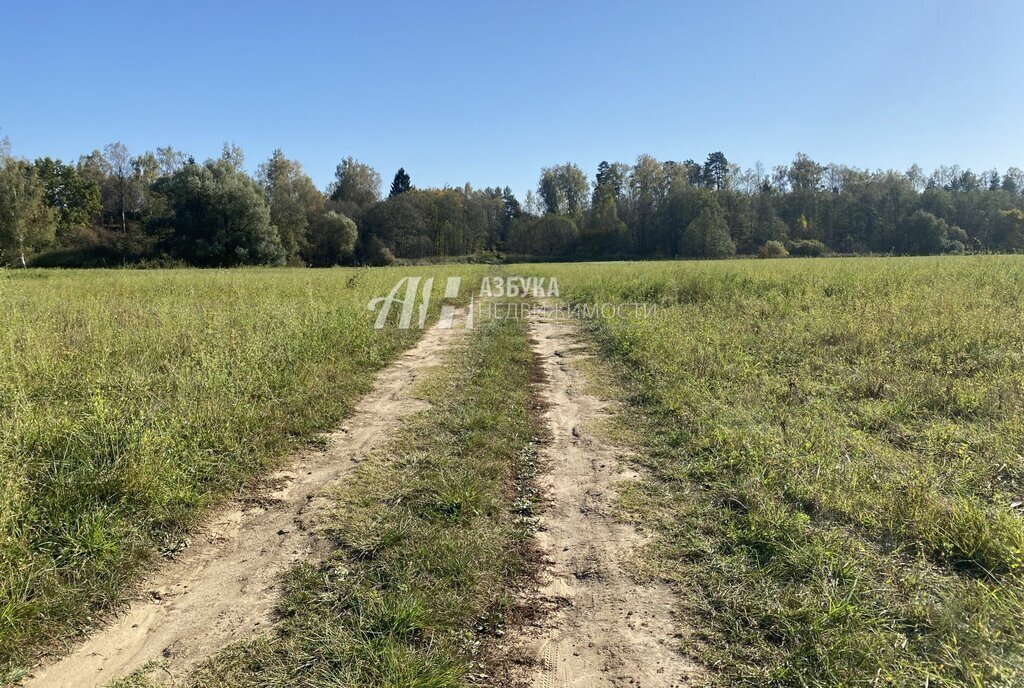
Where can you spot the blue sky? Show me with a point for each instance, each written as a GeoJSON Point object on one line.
{"type": "Point", "coordinates": [491, 92]}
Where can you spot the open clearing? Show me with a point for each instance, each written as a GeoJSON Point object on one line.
{"type": "Point", "coordinates": [835, 455]}
{"type": "Point", "coordinates": [816, 466]}
{"type": "Point", "coordinates": [597, 626]}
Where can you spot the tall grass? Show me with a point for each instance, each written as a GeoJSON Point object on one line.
{"type": "Point", "coordinates": [130, 401]}
{"type": "Point", "coordinates": [836, 448]}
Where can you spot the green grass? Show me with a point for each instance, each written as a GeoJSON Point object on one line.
{"type": "Point", "coordinates": [834, 451]}
{"type": "Point", "coordinates": [836, 457]}
{"type": "Point", "coordinates": [132, 400]}
{"type": "Point", "coordinates": [429, 533]}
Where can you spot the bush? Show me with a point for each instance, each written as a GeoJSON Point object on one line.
{"type": "Point", "coordinates": [772, 249]}
{"type": "Point", "coordinates": [98, 248]}
{"type": "Point", "coordinates": [922, 233]}
{"type": "Point", "coordinates": [808, 248]}
{"type": "Point", "coordinates": [850, 245]}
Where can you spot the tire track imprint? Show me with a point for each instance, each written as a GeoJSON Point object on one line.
{"type": "Point", "coordinates": [602, 629]}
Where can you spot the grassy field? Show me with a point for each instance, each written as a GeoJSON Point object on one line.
{"type": "Point", "coordinates": [131, 400]}
{"type": "Point", "coordinates": [836, 458]}
{"type": "Point", "coordinates": [834, 450]}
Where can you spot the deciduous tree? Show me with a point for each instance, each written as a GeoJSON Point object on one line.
{"type": "Point", "coordinates": [332, 240]}
{"type": "Point", "coordinates": [27, 223]}
{"type": "Point", "coordinates": [218, 216]}
{"type": "Point", "coordinates": [119, 181]}
{"type": "Point", "coordinates": [708, 235]}
{"type": "Point", "coordinates": [356, 187]}
{"type": "Point", "coordinates": [74, 197]}
{"type": "Point", "coordinates": [293, 199]}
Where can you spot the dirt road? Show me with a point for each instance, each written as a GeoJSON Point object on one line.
{"type": "Point", "coordinates": [225, 586]}
{"type": "Point", "coordinates": [604, 629]}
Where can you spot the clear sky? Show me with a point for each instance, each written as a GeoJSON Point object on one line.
{"type": "Point", "coordinates": [489, 92]}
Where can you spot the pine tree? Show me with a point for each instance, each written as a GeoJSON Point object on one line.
{"type": "Point", "coordinates": [401, 183]}
{"type": "Point", "coordinates": [716, 169]}
{"type": "Point", "coordinates": [512, 207]}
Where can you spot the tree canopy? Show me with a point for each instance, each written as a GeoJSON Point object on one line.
{"type": "Point", "coordinates": [218, 216]}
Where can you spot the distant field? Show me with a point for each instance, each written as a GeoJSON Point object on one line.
{"type": "Point", "coordinates": [836, 448]}
{"type": "Point", "coordinates": [130, 400]}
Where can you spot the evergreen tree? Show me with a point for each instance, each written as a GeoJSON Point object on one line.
{"type": "Point", "coordinates": [512, 207]}
{"type": "Point", "coordinates": [716, 171]}
{"type": "Point", "coordinates": [610, 178]}
{"type": "Point", "coordinates": [401, 183]}
{"type": "Point", "coordinates": [694, 173]}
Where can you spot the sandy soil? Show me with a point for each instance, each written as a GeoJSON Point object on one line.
{"type": "Point", "coordinates": [226, 585]}
{"type": "Point", "coordinates": [603, 628]}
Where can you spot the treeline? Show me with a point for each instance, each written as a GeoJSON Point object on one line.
{"type": "Point", "coordinates": [164, 208]}
{"type": "Point", "coordinates": [715, 209]}
{"type": "Point", "coordinates": [111, 208]}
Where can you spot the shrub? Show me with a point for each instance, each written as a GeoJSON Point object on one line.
{"type": "Point", "coordinates": [808, 248]}
{"type": "Point", "coordinates": [772, 249]}
{"type": "Point", "coordinates": [98, 248]}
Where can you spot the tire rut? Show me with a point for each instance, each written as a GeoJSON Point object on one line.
{"type": "Point", "coordinates": [603, 629]}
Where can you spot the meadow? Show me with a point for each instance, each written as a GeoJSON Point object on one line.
{"type": "Point", "coordinates": [832, 451]}
{"type": "Point", "coordinates": [835, 456]}
{"type": "Point", "coordinates": [130, 401]}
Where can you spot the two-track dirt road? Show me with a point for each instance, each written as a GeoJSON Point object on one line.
{"type": "Point", "coordinates": [603, 628]}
